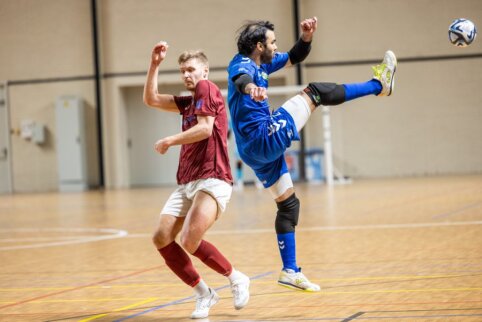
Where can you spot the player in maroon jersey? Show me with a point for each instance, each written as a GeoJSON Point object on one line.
{"type": "Point", "coordinates": [204, 178]}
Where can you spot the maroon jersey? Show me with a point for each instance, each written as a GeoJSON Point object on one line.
{"type": "Point", "coordinates": [207, 158]}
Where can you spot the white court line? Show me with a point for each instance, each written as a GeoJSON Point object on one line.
{"type": "Point", "coordinates": [335, 228]}
{"type": "Point", "coordinates": [38, 239]}
{"type": "Point", "coordinates": [117, 233]}
{"type": "Point", "coordinates": [107, 233]}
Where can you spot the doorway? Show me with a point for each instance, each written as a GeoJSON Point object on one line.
{"type": "Point", "coordinates": [144, 127]}
{"type": "Point", "coordinates": [5, 150]}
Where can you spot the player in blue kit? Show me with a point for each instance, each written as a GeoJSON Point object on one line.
{"type": "Point", "coordinates": [262, 137]}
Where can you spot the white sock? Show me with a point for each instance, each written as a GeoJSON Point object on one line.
{"type": "Point", "coordinates": [201, 288]}
{"type": "Point", "coordinates": [235, 275]}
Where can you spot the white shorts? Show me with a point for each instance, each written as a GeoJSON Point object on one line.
{"type": "Point", "coordinates": [181, 199]}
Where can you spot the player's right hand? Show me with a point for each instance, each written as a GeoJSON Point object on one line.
{"type": "Point", "coordinates": [258, 93]}
{"type": "Point", "coordinates": [162, 145]}
{"type": "Point", "coordinates": [159, 52]}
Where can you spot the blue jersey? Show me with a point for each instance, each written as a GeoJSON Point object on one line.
{"type": "Point", "coordinates": [245, 112]}
{"type": "Point", "coordinates": [261, 137]}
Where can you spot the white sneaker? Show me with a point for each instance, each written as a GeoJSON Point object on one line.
{"type": "Point", "coordinates": [203, 304]}
{"type": "Point", "coordinates": [385, 73]}
{"type": "Point", "coordinates": [297, 281]}
{"type": "Point", "coordinates": [240, 290]}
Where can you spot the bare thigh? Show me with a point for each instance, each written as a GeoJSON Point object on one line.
{"type": "Point", "coordinates": [200, 217]}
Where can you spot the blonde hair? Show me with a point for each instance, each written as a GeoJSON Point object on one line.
{"type": "Point", "coordinates": [193, 54]}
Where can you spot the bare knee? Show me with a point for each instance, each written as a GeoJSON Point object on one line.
{"type": "Point", "coordinates": [189, 243]}
{"type": "Point", "coordinates": [161, 238]}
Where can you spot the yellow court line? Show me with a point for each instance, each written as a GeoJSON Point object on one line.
{"type": "Point", "coordinates": [104, 287]}
{"type": "Point", "coordinates": [378, 278]}
{"type": "Point", "coordinates": [377, 291]}
{"type": "Point", "coordinates": [220, 284]}
{"type": "Point", "coordinates": [29, 289]}
{"type": "Point", "coordinates": [93, 300]}
{"type": "Point", "coordinates": [98, 316]}
{"type": "Point", "coordinates": [411, 290]}
{"type": "Point", "coordinates": [391, 277]}
{"type": "Point", "coordinates": [461, 289]}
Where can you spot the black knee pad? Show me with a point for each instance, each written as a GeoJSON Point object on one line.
{"type": "Point", "coordinates": [325, 93]}
{"type": "Point", "coordinates": [287, 215]}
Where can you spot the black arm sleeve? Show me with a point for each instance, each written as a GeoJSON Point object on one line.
{"type": "Point", "coordinates": [299, 51]}
{"type": "Point", "coordinates": [241, 81]}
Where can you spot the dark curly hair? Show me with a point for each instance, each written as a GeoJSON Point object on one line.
{"type": "Point", "coordinates": [251, 33]}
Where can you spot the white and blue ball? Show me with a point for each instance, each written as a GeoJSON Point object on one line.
{"type": "Point", "coordinates": [462, 32]}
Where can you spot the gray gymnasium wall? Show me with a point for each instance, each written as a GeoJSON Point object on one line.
{"type": "Point", "coordinates": [46, 51]}
{"type": "Point", "coordinates": [431, 125]}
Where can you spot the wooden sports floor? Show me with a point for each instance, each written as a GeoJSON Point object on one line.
{"type": "Point", "coordinates": [382, 250]}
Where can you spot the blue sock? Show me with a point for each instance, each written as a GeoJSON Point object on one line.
{"type": "Point", "coordinates": [287, 249]}
{"type": "Point", "coordinates": [357, 90]}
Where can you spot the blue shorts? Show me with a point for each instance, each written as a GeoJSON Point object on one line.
{"type": "Point", "coordinates": [264, 151]}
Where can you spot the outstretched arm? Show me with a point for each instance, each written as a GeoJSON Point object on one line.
{"type": "Point", "coordinates": [302, 47]}
{"type": "Point", "coordinates": [202, 130]}
{"type": "Point", "coordinates": [151, 96]}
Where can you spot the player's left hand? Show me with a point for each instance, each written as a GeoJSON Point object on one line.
{"type": "Point", "coordinates": [162, 145]}
{"type": "Point", "coordinates": [308, 27]}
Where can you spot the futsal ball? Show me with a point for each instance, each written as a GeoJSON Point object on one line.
{"type": "Point", "coordinates": [462, 32]}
